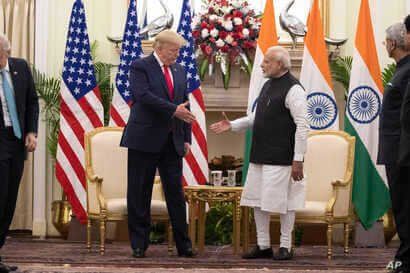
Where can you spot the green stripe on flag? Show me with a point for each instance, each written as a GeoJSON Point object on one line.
{"type": "Point", "coordinates": [370, 195]}
{"type": "Point", "coordinates": [247, 153]}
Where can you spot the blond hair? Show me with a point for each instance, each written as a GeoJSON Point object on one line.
{"type": "Point", "coordinates": [169, 36]}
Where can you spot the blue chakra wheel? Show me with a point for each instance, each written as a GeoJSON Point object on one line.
{"type": "Point", "coordinates": [363, 104]}
{"type": "Point", "coordinates": [321, 110]}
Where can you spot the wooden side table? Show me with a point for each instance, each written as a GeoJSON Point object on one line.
{"type": "Point", "coordinates": [198, 196]}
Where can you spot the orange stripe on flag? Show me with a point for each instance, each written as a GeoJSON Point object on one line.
{"type": "Point", "coordinates": [315, 42]}
{"type": "Point", "coordinates": [366, 45]}
{"type": "Point", "coordinates": [267, 34]}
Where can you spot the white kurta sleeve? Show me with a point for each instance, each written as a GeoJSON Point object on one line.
{"type": "Point", "coordinates": [243, 123]}
{"type": "Point", "coordinates": [297, 104]}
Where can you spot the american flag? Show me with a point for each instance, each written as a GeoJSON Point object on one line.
{"type": "Point", "coordinates": [131, 50]}
{"type": "Point", "coordinates": [195, 169]}
{"type": "Point", "coordinates": [81, 111]}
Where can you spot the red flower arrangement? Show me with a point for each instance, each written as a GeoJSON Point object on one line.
{"type": "Point", "coordinates": [226, 33]}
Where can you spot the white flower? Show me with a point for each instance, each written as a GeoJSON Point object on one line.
{"type": "Point", "coordinates": [195, 21]}
{"type": "Point", "coordinates": [214, 32]}
{"type": "Point", "coordinates": [236, 3]}
{"type": "Point", "coordinates": [220, 43]}
{"type": "Point", "coordinates": [213, 17]}
{"type": "Point", "coordinates": [227, 10]}
{"type": "Point", "coordinates": [228, 25]}
{"type": "Point", "coordinates": [237, 21]}
{"type": "Point", "coordinates": [245, 10]}
{"type": "Point", "coordinates": [204, 33]}
{"type": "Point", "coordinates": [229, 39]}
{"type": "Point", "coordinates": [245, 32]}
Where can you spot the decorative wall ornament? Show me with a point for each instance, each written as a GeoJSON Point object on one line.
{"type": "Point", "coordinates": [296, 28]}
{"type": "Point", "coordinates": [157, 25]}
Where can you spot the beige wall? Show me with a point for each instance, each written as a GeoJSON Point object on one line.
{"type": "Point", "coordinates": [343, 21]}
{"type": "Point", "coordinates": [104, 17]}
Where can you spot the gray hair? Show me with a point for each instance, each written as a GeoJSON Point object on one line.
{"type": "Point", "coordinates": [4, 43]}
{"type": "Point", "coordinates": [396, 33]}
{"type": "Point", "coordinates": [281, 55]}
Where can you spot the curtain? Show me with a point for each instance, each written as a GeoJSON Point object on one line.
{"type": "Point", "coordinates": [17, 22]}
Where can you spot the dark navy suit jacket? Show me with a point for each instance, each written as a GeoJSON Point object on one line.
{"type": "Point", "coordinates": [151, 119]}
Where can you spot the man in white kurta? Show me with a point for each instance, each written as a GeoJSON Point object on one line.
{"type": "Point", "coordinates": [275, 182]}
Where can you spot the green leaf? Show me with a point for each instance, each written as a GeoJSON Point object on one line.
{"type": "Point", "coordinates": [387, 73]}
{"type": "Point", "coordinates": [203, 68]}
{"type": "Point", "coordinates": [340, 69]}
{"type": "Point", "coordinates": [227, 76]}
{"type": "Point", "coordinates": [48, 90]}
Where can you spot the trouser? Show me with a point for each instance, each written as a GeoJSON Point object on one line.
{"type": "Point", "coordinates": [12, 156]}
{"type": "Point", "coordinates": [141, 172]}
{"type": "Point", "coordinates": [398, 179]}
{"type": "Point", "coordinates": [262, 221]}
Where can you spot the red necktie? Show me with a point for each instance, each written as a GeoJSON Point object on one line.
{"type": "Point", "coordinates": [168, 80]}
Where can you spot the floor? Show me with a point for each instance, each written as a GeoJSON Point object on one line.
{"type": "Point", "coordinates": [56, 255]}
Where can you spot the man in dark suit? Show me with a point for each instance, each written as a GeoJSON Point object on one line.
{"type": "Point", "coordinates": [390, 134]}
{"type": "Point", "coordinates": [18, 131]}
{"type": "Point", "coordinates": [158, 135]}
{"type": "Point", "coordinates": [404, 161]}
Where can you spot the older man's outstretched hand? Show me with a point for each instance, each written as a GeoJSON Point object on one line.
{"type": "Point", "coordinates": [221, 126]}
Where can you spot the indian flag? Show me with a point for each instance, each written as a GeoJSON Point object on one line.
{"type": "Point", "coordinates": [370, 191]}
{"type": "Point", "coordinates": [315, 76]}
{"type": "Point", "coordinates": [267, 38]}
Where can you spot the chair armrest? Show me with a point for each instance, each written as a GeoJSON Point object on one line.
{"type": "Point", "coordinates": [93, 178]}
{"type": "Point", "coordinates": [339, 204]}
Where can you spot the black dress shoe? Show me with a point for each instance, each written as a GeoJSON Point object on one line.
{"type": "Point", "coordinates": [283, 254]}
{"type": "Point", "coordinates": [188, 253]}
{"type": "Point", "coordinates": [12, 268]}
{"type": "Point", "coordinates": [257, 253]}
{"type": "Point", "coordinates": [4, 268]}
{"type": "Point", "coordinates": [138, 253]}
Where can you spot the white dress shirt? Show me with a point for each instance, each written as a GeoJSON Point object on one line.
{"type": "Point", "coordinates": [162, 67]}
{"type": "Point", "coordinates": [296, 103]}
{"type": "Point", "coordinates": [6, 115]}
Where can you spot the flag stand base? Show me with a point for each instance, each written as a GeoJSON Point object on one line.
{"type": "Point", "coordinates": [373, 237]}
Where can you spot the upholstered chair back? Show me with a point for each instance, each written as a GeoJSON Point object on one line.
{"type": "Point", "coordinates": [326, 160]}
{"type": "Point", "coordinates": [109, 162]}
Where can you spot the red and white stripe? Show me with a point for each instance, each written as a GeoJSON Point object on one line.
{"type": "Point", "coordinates": [76, 119]}
{"type": "Point", "coordinates": [119, 111]}
{"type": "Point", "coordinates": [195, 164]}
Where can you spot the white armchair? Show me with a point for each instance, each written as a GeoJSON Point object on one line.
{"type": "Point", "coordinates": [328, 167]}
{"type": "Point", "coordinates": [106, 170]}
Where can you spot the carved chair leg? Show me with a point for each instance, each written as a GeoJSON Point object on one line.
{"type": "Point", "coordinates": [102, 235]}
{"type": "Point", "coordinates": [346, 233]}
{"type": "Point", "coordinates": [170, 238]}
{"type": "Point", "coordinates": [88, 235]}
{"type": "Point", "coordinates": [329, 240]}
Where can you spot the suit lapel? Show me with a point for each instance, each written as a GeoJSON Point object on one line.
{"type": "Point", "coordinates": [16, 83]}
{"type": "Point", "coordinates": [158, 71]}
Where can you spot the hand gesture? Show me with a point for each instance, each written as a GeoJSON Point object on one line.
{"type": "Point", "coordinates": [297, 170]}
{"type": "Point", "coordinates": [31, 142]}
{"type": "Point", "coordinates": [221, 126]}
{"type": "Point", "coordinates": [183, 113]}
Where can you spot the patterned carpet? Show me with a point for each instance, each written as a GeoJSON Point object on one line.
{"type": "Point", "coordinates": [52, 256]}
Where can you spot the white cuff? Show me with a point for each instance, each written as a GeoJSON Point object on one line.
{"type": "Point", "coordinates": [235, 125]}
{"type": "Point", "coordinates": [298, 157]}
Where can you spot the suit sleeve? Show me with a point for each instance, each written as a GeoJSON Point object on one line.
{"type": "Point", "coordinates": [32, 108]}
{"type": "Point", "coordinates": [405, 111]}
{"type": "Point", "coordinates": [187, 126]}
{"type": "Point", "coordinates": [141, 91]}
